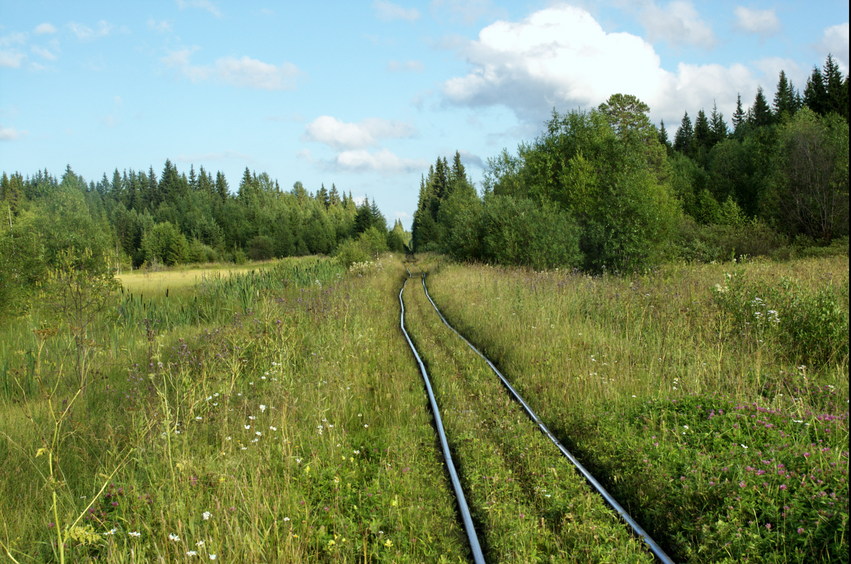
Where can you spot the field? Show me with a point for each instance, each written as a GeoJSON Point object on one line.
{"type": "Point", "coordinates": [278, 416]}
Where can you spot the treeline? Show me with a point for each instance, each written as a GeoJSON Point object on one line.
{"type": "Point", "coordinates": [607, 190]}
{"type": "Point", "coordinates": [139, 218]}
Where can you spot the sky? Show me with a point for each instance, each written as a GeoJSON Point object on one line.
{"type": "Point", "coordinates": [365, 95]}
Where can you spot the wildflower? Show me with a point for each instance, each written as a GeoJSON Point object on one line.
{"type": "Point", "coordinates": [199, 543]}
{"type": "Point", "coordinates": [111, 531]}
{"type": "Point", "coordinates": [173, 537]}
{"type": "Point", "coordinates": [134, 534]}
{"type": "Point", "coordinates": [262, 408]}
{"type": "Point", "coordinates": [388, 543]}
{"type": "Point", "coordinates": [743, 446]}
{"type": "Point", "coordinates": [800, 530]}
{"type": "Point", "coordinates": [206, 515]}
{"type": "Point", "coordinates": [247, 427]}
{"type": "Point", "coordinates": [191, 553]}
{"type": "Point", "coordinates": [212, 557]}
{"type": "Point", "coordinates": [272, 428]}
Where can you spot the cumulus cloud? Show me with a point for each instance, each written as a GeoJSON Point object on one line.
{"type": "Point", "coordinates": [11, 59]}
{"type": "Point", "coordinates": [388, 11]}
{"type": "Point", "coordinates": [45, 28]}
{"type": "Point", "coordinates": [403, 66]}
{"type": "Point", "coordinates": [677, 23]}
{"type": "Point", "coordinates": [382, 160]}
{"type": "Point", "coordinates": [561, 57]}
{"type": "Point", "coordinates": [205, 5]}
{"type": "Point", "coordinates": [761, 22]}
{"type": "Point", "coordinates": [86, 33]}
{"type": "Point", "coordinates": [44, 53]}
{"type": "Point", "coordinates": [835, 41]}
{"type": "Point", "coordinates": [243, 71]}
{"type": "Point", "coordinates": [10, 133]}
{"type": "Point", "coordinates": [345, 135]}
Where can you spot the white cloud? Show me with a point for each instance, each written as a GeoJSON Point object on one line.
{"type": "Point", "coordinates": [384, 161]}
{"type": "Point", "coordinates": [677, 23]}
{"type": "Point", "coordinates": [561, 57]}
{"type": "Point", "coordinates": [466, 11]}
{"type": "Point", "coordinates": [835, 41]}
{"type": "Point", "coordinates": [201, 4]}
{"type": "Point", "coordinates": [388, 11]}
{"type": "Point", "coordinates": [10, 134]}
{"type": "Point", "coordinates": [45, 28]}
{"type": "Point", "coordinates": [401, 66]}
{"type": "Point", "coordinates": [11, 59]}
{"type": "Point", "coordinates": [43, 53]}
{"type": "Point", "coordinates": [761, 22]}
{"type": "Point", "coordinates": [237, 71]}
{"type": "Point", "coordinates": [345, 135]}
{"type": "Point", "coordinates": [163, 26]}
{"type": "Point", "coordinates": [87, 33]}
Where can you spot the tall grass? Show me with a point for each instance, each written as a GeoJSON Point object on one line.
{"type": "Point", "coordinates": [702, 419]}
{"type": "Point", "coordinates": [269, 417]}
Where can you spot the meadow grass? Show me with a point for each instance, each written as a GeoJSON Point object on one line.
{"type": "Point", "coordinates": [292, 427]}
{"type": "Point", "coordinates": [528, 502]}
{"type": "Point", "coordinates": [695, 408]}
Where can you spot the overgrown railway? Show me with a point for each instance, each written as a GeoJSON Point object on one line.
{"type": "Point", "coordinates": [499, 434]}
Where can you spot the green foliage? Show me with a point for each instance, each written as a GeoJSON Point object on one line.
{"type": "Point", "coordinates": [809, 324]}
{"type": "Point", "coordinates": [165, 244]}
{"type": "Point", "coordinates": [518, 231]}
{"type": "Point", "coordinates": [367, 247]}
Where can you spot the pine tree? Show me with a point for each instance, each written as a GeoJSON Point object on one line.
{"type": "Point", "coordinates": [221, 186]}
{"type": "Point", "coordinates": [684, 138]}
{"type": "Point", "coordinates": [759, 114]}
{"type": "Point", "coordinates": [663, 136]}
{"type": "Point", "coordinates": [702, 132]}
{"type": "Point", "coordinates": [815, 93]}
{"type": "Point", "coordinates": [836, 95]}
{"type": "Point", "coordinates": [784, 98]}
{"type": "Point", "coordinates": [717, 125]}
{"type": "Point", "coordinates": [739, 115]}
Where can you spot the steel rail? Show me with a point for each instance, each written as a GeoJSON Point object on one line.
{"type": "Point", "coordinates": [613, 503]}
{"type": "Point", "coordinates": [463, 508]}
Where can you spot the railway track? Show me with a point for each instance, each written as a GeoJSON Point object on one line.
{"type": "Point", "coordinates": [492, 442]}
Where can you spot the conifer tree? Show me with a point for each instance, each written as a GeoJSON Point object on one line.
{"type": "Point", "coordinates": [717, 125]}
{"type": "Point", "coordinates": [739, 115]}
{"type": "Point", "coordinates": [759, 114]}
{"type": "Point", "coordinates": [815, 93]}
{"type": "Point", "coordinates": [785, 104]}
{"type": "Point", "coordinates": [684, 138]}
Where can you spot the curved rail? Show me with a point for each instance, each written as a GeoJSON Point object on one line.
{"type": "Point", "coordinates": [613, 503]}
{"type": "Point", "coordinates": [475, 547]}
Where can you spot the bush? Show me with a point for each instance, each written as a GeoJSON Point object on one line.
{"type": "Point", "coordinates": [518, 231]}
{"type": "Point", "coordinates": [808, 326]}
{"type": "Point", "coordinates": [368, 246]}
{"type": "Point", "coordinates": [708, 243]}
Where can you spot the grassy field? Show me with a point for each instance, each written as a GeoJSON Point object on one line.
{"type": "Point", "coordinates": [278, 416]}
{"type": "Point", "coordinates": [713, 400]}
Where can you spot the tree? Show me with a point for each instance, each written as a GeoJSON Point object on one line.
{"type": "Point", "coordinates": [717, 126]}
{"type": "Point", "coordinates": [836, 94]}
{"type": "Point", "coordinates": [684, 138]}
{"type": "Point", "coordinates": [163, 243]}
{"type": "Point", "coordinates": [812, 176]}
{"type": "Point", "coordinates": [739, 116]}
{"type": "Point", "coordinates": [815, 93]}
{"type": "Point", "coordinates": [785, 100]}
{"type": "Point", "coordinates": [759, 114]}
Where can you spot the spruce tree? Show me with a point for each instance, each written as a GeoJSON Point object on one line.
{"type": "Point", "coordinates": [739, 115]}
{"type": "Point", "coordinates": [815, 93]}
{"type": "Point", "coordinates": [717, 125]}
{"type": "Point", "coordinates": [784, 98]}
{"type": "Point", "coordinates": [836, 95]}
{"type": "Point", "coordinates": [684, 138]}
{"type": "Point", "coordinates": [759, 114]}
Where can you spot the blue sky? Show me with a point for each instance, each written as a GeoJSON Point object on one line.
{"type": "Point", "coordinates": [366, 94]}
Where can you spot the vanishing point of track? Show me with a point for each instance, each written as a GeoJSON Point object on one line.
{"type": "Point", "coordinates": [463, 507]}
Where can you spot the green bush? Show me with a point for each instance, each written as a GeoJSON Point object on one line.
{"type": "Point", "coordinates": [808, 326]}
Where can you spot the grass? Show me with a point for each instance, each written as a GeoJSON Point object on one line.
{"type": "Point", "coordinates": [705, 423]}
{"type": "Point", "coordinates": [277, 415]}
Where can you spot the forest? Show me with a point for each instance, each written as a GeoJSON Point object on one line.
{"type": "Point", "coordinates": [139, 219]}
{"type": "Point", "coordinates": [607, 190]}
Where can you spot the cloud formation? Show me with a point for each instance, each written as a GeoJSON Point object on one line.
{"type": "Point", "coordinates": [760, 22]}
{"type": "Point", "coordinates": [835, 41]}
{"type": "Point", "coordinates": [10, 133]}
{"type": "Point", "coordinates": [86, 33]}
{"type": "Point", "coordinates": [346, 135]}
{"type": "Point", "coordinates": [205, 5]}
{"type": "Point", "coordinates": [678, 23]}
{"type": "Point", "coordinates": [561, 57]}
{"type": "Point", "coordinates": [388, 12]}
{"type": "Point", "coordinates": [382, 160]}
{"type": "Point", "coordinates": [244, 71]}
{"type": "Point", "coordinates": [45, 28]}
